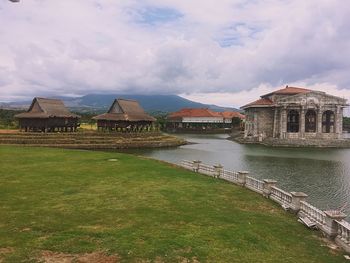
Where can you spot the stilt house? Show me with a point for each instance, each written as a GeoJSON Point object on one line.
{"type": "Point", "coordinates": [125, 115]}
{"type": "Point", "coordinates": [48, 115]}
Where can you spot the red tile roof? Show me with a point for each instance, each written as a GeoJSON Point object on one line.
{"type": "Point", "coordinates": [189, 112]}
{"type": "Point", "coordinates": [288, 91]}
{"type": "Point", "coordinates": [232, 114]}
{"type": "Point", "coordinates": [259, 102]}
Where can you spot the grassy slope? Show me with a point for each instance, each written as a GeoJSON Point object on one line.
{"type": "Point", "coordinates": [77, 201]}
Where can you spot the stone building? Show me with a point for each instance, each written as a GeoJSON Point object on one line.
{"type": "Point", "coordinates": [295, 113]}
{"type": "Point", "coordinates": [202, 119]}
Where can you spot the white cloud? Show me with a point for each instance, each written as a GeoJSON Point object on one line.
{"type": "Point", "coordinates": [202, 47]}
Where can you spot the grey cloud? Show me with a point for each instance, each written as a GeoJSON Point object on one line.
{"type": "Point", "coordinates": [48, 47]}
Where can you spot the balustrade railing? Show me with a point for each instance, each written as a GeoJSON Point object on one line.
{"type": "Point", "coordinates": [344, 231]}
{"type": "Point", "coordinates": [254, 184]}
{"type": "Point", "coordinates": [229, 175]}
{"type": "Point", "coordinates": [206, 169]}
{"type": "Point", "coordinates": [187, 164]}
{"type": "Point", "coordinates": [313, 213]}
{"type": "Point", "coordinates": [280, 196]}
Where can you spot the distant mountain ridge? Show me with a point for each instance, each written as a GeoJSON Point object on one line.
{"type": "Point", "coordinates": [151, 103]}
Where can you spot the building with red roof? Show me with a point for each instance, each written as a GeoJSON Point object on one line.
{"type": "Point", "coordinates": [294, 113]}
{"type": "Point", "coordinates": [202, 119]}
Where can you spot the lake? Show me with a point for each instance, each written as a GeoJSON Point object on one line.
{"type": "Point", "coordinates": [323, 174]}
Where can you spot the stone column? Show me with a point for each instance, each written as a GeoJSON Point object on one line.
{"type": "Point", "coordinates": [274, 123]}
{"type": "Point", "coordinates": [218, 170]}
{"type": "Point", "coordinates": [196, 164]}
{"type": "Point", "coordinates": [341, 122]}
{"type": "Point", "coordinates": [319, 122]}
{"type": "Point", "coordinates": [297, 197]}
{"type": "Point", "coordinates": [302, 122]}
{"type": "Point", "coordinates": [242, 175]}
{"type": "Point", "coordinates": [268, 184]}
{"type": "Point", "coordinates": [337, 118]}
{"type": "Point", "coordinates": [331, 227]}
{"type": "Point", "coordinates": [283, 123]}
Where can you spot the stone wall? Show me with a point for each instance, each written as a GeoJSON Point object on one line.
{"type": "Point", "coordinates": [265, 122]}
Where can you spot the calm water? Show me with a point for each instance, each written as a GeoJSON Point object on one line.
{"type": "Point", "coordinates": [324, 174]}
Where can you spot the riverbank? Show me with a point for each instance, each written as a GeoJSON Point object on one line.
{"type": "Point", "coordinates": [274, 142]}
{"type": "Point", "coordinates": [91, 140]}
{"type": "Point", "coordinates": [138, 210]}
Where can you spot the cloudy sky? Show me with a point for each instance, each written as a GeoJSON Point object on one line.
{"type": "Point", "coordinates": [226, 52]}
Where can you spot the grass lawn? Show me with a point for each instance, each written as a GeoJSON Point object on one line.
{"type": "Point", "coordinates": [70, 202]}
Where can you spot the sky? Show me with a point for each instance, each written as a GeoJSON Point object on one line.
{"type": "Point", "coordinates": [226, 52]}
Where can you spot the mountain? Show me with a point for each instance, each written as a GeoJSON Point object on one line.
{"type": "Point", "coordinates": [151, 103]}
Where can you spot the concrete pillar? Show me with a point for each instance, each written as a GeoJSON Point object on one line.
{"type": "Point", "coordinates": [275, 123]}
{"type": "Point", "coordinates": [268, 184]}
{"type": "Point", "coordinates": [297, 197]}
{"type": "Point", "coordinates": [242, 177]}
{"type": "Point", "coordinates": [302, 122]}
{"type": "Point", "coordinates": [337, 118]}
{"type": "Point", "coordinates": [336, 122]}
{"type": "Point", "coordinates": [246, 128]}
{"type": "Point", "coordinates": [341, 123]}
{"type": "Point", "coordinates": [331, 227]}
{"type": "Point", "coordinates": [218, 170]}
{"type": "Point", "coordinates": [196, 164]}
{"type": "Point", "coordinates": [319, 122]}
{"type": "Point", "coordinates": [283, 123]}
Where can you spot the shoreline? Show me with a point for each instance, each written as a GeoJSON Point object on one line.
{"type": "Point", "coordinates": [292, 143]}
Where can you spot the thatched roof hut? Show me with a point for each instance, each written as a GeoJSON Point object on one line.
{"type": "Point", "coordinates": [124, 113]}
{"type": "Point", "coordinates": [47, 115]}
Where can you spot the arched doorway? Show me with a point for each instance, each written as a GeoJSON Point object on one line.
{"type": "Point", "coordinates": [310, 121]}
{"type": "Point", "coordinates": [293, 121]}
{"type": "Point", "coordinates": [328, 121]}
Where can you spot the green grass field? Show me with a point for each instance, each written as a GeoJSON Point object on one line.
{"type": "Point", "coordinates": [138, 210]}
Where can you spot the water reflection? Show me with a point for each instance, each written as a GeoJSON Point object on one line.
{"type": "Point", "coordinates": [324, 174]}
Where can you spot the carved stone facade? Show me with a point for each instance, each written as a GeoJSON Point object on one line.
{"type": "Point", "coordinates": [295, 113]}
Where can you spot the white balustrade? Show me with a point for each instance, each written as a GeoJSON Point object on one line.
{"type": "Point", "coordinates": [280, 196]}
{"type": "Point", "coordinates": [313, 213]}
{"type": "Point", "coordinates": [229, 175]}
{"type": "Point", "coordinates": [206, 169]}
{"type": "Point", "coordinates": [254, 184]}
{"type": "Point", "coordinates": [187, 164]}
{"type": "Point", "coordinates": [344, 231]}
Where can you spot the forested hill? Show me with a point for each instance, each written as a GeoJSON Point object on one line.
{"type": "Point", "coordinates": [151, 103]}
